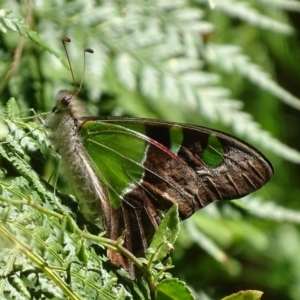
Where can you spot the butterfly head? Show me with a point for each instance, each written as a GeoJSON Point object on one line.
{"type": "Point", "coordinates": [68, 103]}
{"type": "Point", "coordinates": [63, 100]}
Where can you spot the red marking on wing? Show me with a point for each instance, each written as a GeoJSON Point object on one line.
{"type": "Point", "coordinates": [163, 148]}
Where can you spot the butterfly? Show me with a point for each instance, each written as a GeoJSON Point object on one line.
{"type": "Point", "coordinates": [129, 171]}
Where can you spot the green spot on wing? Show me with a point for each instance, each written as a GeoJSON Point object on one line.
{"type": "Point", "coordinates": [176, 138]}
{"type": "Point", "coordinates": [213, 153]}
{"type": "Point", "coordinates": [117, 154]}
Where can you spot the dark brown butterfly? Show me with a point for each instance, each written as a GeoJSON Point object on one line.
{"type": "Point", "coordinates": [128, 171]}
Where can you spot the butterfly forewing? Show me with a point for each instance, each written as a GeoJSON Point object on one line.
{"type": "Point", "coordinates": [176, 160]}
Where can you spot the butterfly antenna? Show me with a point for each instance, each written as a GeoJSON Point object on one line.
{"type": "Point", "coordinates": [67, 40]}
{"type": "Point", "coordinates": [89, 50]}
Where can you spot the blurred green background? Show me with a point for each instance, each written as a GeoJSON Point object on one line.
{"type": "Point", "coordinates": [229, 65]}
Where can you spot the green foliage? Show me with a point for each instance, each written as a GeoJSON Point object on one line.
{"type": "Point", "coordinates": [164, 238]}
{"type": "Point", "coordinates": [173, 289]}
{"type": "Point", "coordinates": [245, 295]}
{"type": "Point", "coordinates": [178, 60]}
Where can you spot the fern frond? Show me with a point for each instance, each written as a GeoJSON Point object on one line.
{"type": "Point", "coordinates": [229, 59]}
{"type": "Point", "coordinates": [243, 11]}
{"type": "Point", "coordinates": [291, 5]}
{"type": "Point", "coordinates": [206, 243]}
{"type": "Point", "coordinates": [128, 65]}
{"type": "Point", "coordinates": [268, 210]}
{"type": "Point", "coordinates": [39, 248]}
{"type": "Point", "coordinates": [8, 21]}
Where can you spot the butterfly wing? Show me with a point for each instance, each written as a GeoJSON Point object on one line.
{"type": "Point", "coordinates": [147, 165]}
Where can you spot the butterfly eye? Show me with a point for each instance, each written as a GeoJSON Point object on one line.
{"type": "Point", "coordinates": [65, 101]}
